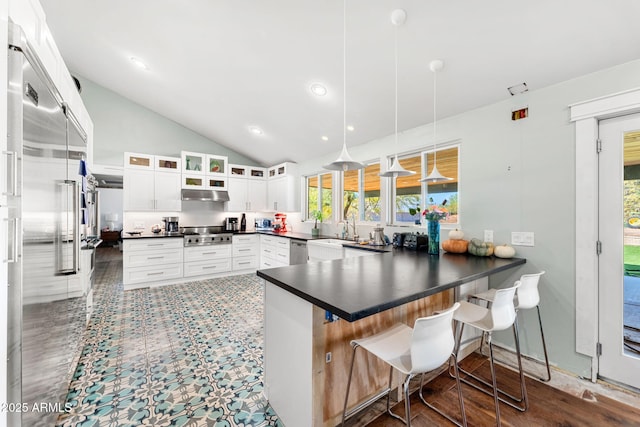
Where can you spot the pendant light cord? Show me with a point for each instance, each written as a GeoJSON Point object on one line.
{"type": "Point", "coordinates": [396, 89]}
{"type": "Point", "coordinates": [344, 72]}
{"type": "Point", "coordinates": [435, 74]}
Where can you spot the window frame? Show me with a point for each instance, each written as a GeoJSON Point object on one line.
{"type": "Point", "coordinates": [424, 187]}
{"type": "Point", "coordinates": [318, 176]}
{"type": "Point", "coordinates": [361, 198]}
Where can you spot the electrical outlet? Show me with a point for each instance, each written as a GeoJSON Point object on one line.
{"type": "Point", "coordinates": [522, 238]}
{"type": "Point", "coordinates": [138, 225]}
{"type": "Point", "coordinates": [488, 236]}
{"type": "Point", "coordinates": [327, 357]}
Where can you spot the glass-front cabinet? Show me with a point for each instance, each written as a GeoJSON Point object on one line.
{"type": "Point", "coordinates": [193, 163]}
{"type": "Point", "coordinates": [216, 165]}
{"type": "Point", "coordinates": [168, 164]}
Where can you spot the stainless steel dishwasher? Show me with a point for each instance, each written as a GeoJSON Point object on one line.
{"type": "Point", "coordinates": [298, 252]}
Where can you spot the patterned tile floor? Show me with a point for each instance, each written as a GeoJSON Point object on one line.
{"type": "Point", "coordinates": [188, 354]}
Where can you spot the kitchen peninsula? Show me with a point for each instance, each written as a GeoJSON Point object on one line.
{"type": "Point", "coordinates": [306, 356]}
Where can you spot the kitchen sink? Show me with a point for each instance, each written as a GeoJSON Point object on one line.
{"type": "Point", "coordinates": [326, 249]}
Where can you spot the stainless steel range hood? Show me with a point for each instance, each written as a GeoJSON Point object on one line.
{"type": "Point", "coordinates": [205, 195]}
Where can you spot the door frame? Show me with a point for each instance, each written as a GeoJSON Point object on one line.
{"type": "Point", "coordinates": [586, 115]}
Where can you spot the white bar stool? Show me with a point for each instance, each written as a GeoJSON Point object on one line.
{"type": "Point", "coordinates": [527, 297]}
{"type": "Point", "coordinates": [500, 316]}
{"type": "Point", "coordinates": [412, 351]}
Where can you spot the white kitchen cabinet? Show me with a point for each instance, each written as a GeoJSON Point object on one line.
{"type": "Point", "coordinates": [274, 251]}
{"type": "Point", "coordinates": [193, 163]}
{"type": "Point", "coordinates": [151, 183]}
{"type": "Point", "coordinates": [283, 188]}
{"type": "Point", "coordinates": [151, 261]}
{"type": "Point", "coordinates": [246, 252]}
{"type": "Point", "coordinates": [282, 194]}
{"type": "Point", "coordinates": [147, 190]}
{"type": "Point", "coordinates": [206, 260]}
{"type": "Point", "coordinates": [246, 194]}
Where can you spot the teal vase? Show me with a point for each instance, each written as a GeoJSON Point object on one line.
{"type": "Point", "coordinates": [433, 234]}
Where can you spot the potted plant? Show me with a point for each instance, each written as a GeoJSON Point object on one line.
{"type": "Point", "coordinates": [317, 215]}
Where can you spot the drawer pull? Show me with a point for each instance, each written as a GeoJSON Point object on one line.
{"type": "Point", "coordinates": [156, 273]}
{"type": "Point", "coordinates": [209, 267]}
{"type": "Point", "coordinates": [244, 250]}
{"type": "Point", "coordinates": [155, 257]}
{"type": "Point", "coordinates": [155, 244]}
{"type": "Point", "coordinates": [267, 251]}
{"type": "Point", "coordinates": [245, 262]}
{"type": "Point", "coordinates": [209, 253]}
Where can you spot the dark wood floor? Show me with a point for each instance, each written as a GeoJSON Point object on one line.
{"type": "Point", "coordinates": [547, 406]}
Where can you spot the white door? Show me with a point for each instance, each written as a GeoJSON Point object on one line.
{"type": "Point", "coordinates": [619, 261]}
{"type": "Point", "coordinates": [237, 188]}
{"type": "Point", "coordinates": [257, 195]}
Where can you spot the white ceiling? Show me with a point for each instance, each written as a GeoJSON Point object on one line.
{"type": "Point", "coordinates": [218, 66]}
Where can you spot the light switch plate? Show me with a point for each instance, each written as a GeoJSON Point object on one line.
{"type": "Point", "coordinates": [488, 236]}
{"type": "Point", "coordinates": [522, 238]}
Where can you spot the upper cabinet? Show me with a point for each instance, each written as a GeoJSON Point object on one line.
{"type": "Point", "coordinates": [247, 189]}
{"type": "Point", "coordinates": [151, 183]}
{"type": "Point", "coordinates": [204, 171]}
{"type": "Point", "coordinates": [283, 188]}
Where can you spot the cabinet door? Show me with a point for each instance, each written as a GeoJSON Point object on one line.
{"type": "Point", "coordinates": [216, 165]}
{"type": "Point", "coordinates": [275, 190]}
{"type": "Point", "coordinates": [168, 191]}
{"type": "Point", "coordinates": [138, 187]}
{"type": "Point", "coordinates": [257, 195]}
{"type": "Point", "coordinates": [237, 194]}
{"type": "Point", "coordinates": [138, 161]}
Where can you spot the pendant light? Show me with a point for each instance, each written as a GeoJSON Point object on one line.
{"type": "Point", "coordinates": [398, 17]}
{"type": "Point", "coordinates": [435, 176]}
{"type": "Point", "coordinates": [344, 162]}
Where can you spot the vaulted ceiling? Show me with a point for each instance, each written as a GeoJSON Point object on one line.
{"type": "Point", "coordinates": [219, 67]}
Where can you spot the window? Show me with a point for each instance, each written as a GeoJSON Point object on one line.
{"type": "Point", "coordinates": [412, 196]}
{"type": "Point", "coordinates": [361, 193]}
{"type": "Point", "coordinates": [437, 193]}
{"type": "Point", "coordinates": [320, 195]}
{"type": "Point", "coordinates": [408, 191]}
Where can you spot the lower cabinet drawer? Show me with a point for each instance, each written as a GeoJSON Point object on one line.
{"type": "Point", "coordinates": [268, 252]}
{"type": "Point", "coordinates": [245, 250]}
{"type": "Point", "coordinates": [271, 263]}
{"type": "Point", "coordinates": [206, 253]}
{"type": "Point", "coordinates": [207, 267]}
{"type": "Point", "coordinates": [151, 274]}
{"type": "Point", "coordinates": [146, 258]}
{"type": "Point", "coordinates": [282, 255]}
{"type": "Point", "coordinates": [245, 262]}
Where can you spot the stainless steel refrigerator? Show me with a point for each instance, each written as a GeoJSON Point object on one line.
{"type": "Point", "coordinates": [46, 299]}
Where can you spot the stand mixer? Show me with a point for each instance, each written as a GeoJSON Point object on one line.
{"type": "Point", "coordinates": [280, 223]}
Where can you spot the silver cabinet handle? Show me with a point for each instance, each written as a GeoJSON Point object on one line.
{"type": "Point", "coordinates": [245, 262]}
{"type": "Point", "coordinates": [155, 244]}
{"type": "Point", "coordinates": [209, 253]}
{"type": "Point", "coordinates": [155, 257]}
{"type": "Point", "coordinates": [65, 235]}
{"type": "Point", "coordinates": [12, 190]}
{"type": "Point", "coordinates": [209, 267]}
{"type": "Point", "coordinates": [158, 273]}
{"type": "Point", "coordinates": [244, 250]}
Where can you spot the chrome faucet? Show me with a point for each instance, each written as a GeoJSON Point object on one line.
{"type": "Point", "coordinates": [355, 235]}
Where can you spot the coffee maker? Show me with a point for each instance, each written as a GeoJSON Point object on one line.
{"type": "Point", "coordinates": [231, 224]}
{"type": "Point", "coordinates": [171, 225]}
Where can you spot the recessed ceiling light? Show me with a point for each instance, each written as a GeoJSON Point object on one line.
{"type": "Point", "coordinates": [138, 62]}
{"type": "Point", "coordinates": [255, 130]}
{"type": "Point", "coordinates": [318, 89]}
{"type": "Point", "coordinates": [325, 138]}
{"type": "Point", "coordinates": [518, 89]}
{"type": "Point", "coordinates": [350, 128]}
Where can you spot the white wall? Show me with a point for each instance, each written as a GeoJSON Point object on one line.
{"type": "Point", "coordinates": [519, 176]}
{"type": "Point", "coordinates": [110, 202]}
{"type": "Point", "coordinates": [122, 125]}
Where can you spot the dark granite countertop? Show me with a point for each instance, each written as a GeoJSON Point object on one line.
{"type": "Point", "coordinates": [354, 288]}
{"type": "Point", "coordinates": [150, 235]}
{"type": "Point", "coordinates": [367, 247]}
{"type": "Point", "coordinates": [294, 235]}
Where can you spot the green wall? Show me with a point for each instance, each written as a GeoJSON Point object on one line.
{"type": "Point", "coordinates": [122, 125]}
